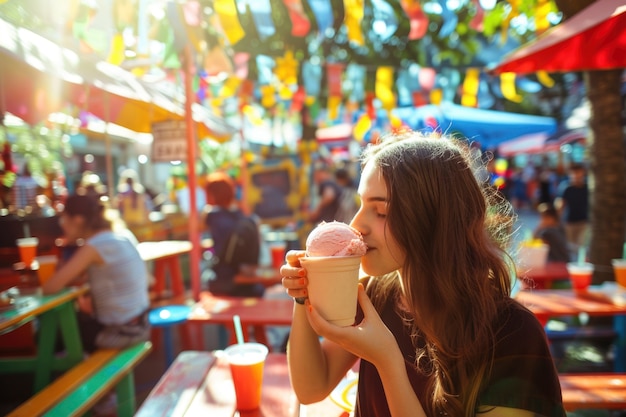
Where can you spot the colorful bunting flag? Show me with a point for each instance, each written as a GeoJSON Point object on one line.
{"type": "Point", "coordinates": [384, 87]}
{"type": "Point", "coordinates": [417, 18]}
{"type": "Point", "coordinates": [227, 12]}
{"type": "Point", "coordinates": [301, 26]}
{"type": "Point", "coordinates": [334, 72]}
{"type": "Point", "coordinates": [286, 69]}
{"type": "Point", "coordinates": [507, 85]}
{"type": "Point", "coordinates": [470, 88]}
{"type": "Point", "coordinates": [354, 15]}
{"type": "Point", "coordinates": [545, 79]}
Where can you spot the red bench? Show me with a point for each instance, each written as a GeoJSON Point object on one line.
{"type": "Point", "coordinates": [594, 391]}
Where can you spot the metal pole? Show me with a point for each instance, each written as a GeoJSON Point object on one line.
{"type": "Point", "coordinates": [192, 155]}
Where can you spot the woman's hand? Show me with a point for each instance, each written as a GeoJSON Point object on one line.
{"type": "Point", "coordinates": [294, 276]}
{"type": "Point", "coordinates": [370, 339]}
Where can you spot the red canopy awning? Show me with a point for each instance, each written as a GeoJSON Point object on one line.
{"type": "Point", "coordinates": [593, 39]}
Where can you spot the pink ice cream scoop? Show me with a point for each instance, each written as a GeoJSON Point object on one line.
{"type": "Point", "coordinates": [335, 239]}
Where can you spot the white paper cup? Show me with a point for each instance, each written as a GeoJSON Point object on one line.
{"type": "Point", "coordinates": [333, 286]}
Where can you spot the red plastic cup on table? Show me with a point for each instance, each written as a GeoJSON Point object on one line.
{"type": "Point", "coordinates": [27, 247]}
{"type": "Point", "coordinates": [246, 361]}
{"type": "Point", "coordinates": [580, 274]}
{"type": "Point", "coordinates": [277, 250]}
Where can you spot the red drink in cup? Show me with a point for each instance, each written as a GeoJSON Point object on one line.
{"type": "Point", "coordinates": [27, 247]}
{"type": "Point", "coordinates": [580, 275]}
{"type": "Point", "coordinates": [277, 249]}
{"type": "Point", "coordinates": [246, 362]}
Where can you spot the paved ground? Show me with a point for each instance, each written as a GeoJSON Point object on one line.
{"type": "Point", "coordinates": [582, 355]}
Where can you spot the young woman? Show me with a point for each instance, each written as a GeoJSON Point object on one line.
{"type": "Point", "coordinates": [437, 332]}
{"type": "Point", "coordinates": [117, 276]}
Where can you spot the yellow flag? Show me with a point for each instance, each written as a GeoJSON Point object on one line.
{"type": "Point", "coordinates": [507, 85]}
{"type": "Point", "coordinates": [227, 11]}
{"type": "Point", "coordinates": [116, 53]}
{"type": "Point", "coordinates": [436, 94]}
{"type": "Point", "coordinates": [384, 87]}
{"type": "Point", "coordinates": [543, 8]}
{"type": "Point", "coordinates": [333, 107]}
{"type": "Point", "coordinates": [361, 127]}
{"type": "Point", "coordinates": [268, 99]}
{"type": "Point", "coordinates": [286, 68]}
{"type": "Point", "coordinates": [230, 87]}
{"type": "Point", "coordinates": [470, 88]}
{"type": "Point", "coordinates": [545, 79]}
{"type": "Point", "coordinates": [354, 15]}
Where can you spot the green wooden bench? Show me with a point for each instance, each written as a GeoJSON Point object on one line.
{"type": "Point", "coordinates": [76, 391]}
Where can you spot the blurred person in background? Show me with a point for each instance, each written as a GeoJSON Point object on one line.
{"type": "Point", "coordinates": [223, 220]}
{"type": "Point", "coordinates": [132, 200]}
{"type": "Point", "coordinates": [328, 193]}
{"type": "Point", "coordinates": [573, 207]}
{"type": "Point", "coordinates": [118, 279]}
{"type": "Point", "coordinates": [550, 230]}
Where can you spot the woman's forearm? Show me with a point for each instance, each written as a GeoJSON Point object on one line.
{"type": "Point", "coordinates": [307, 364]}
{"type": "Point", "coordinates": [401, 397]}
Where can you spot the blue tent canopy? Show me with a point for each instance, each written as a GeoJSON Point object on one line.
{"type": "Point", "coordinates": [487, 127]}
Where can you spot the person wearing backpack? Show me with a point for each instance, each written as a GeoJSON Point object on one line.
{"type": "Point", "coordinates": [236, 239]}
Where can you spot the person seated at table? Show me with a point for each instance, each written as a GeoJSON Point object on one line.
{"type": "Point", "coordinates": [436, 330]}
{"type": "Point", "coordinates": [223, 219]}
{"type": "Point", "coordinates": [118, 278]}
{"type": "Point", "coordinates": [552, 233]}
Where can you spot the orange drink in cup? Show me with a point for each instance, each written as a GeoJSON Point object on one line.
{"type": "Point", "coordinates": [27, 247]}
{"type": "Point", "coordinates": [580, 275]}
{"type": "Point", "coordinates": [246, 362]}
{"type": "Point", "coordinates": [619, 268]}
{"type": "Point", "coordinates": [47, 266]}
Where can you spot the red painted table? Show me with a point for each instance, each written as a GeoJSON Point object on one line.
{"type": "Point", "coordinates": [200, 384]}
{"type": "Point", "coordinates": [253, 311]}
{"type": "Point", "coordinates": [166, 257]}
{"type": "Point", "coordinates": [543, 277]}
{"type": "Point", "coordinates": [552, 303]}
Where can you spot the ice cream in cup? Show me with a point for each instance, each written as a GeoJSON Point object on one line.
{"type": "Point", "coordinates": [332, 261]}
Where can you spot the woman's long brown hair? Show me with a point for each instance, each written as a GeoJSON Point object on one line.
{"type": "Point", "coordinates": [455, 276]}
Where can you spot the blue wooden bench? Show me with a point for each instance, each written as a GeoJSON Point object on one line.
{"type": "Point", "coordinates": [76, 391]}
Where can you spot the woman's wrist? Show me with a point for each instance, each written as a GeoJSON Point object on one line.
{"type": "Point", "coordinates": [300, 300]}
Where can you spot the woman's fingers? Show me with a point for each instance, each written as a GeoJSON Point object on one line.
{"type": "Point", "coordinates": [294, 276]}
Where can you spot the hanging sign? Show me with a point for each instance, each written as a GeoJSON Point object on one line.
{"type": "Point", "coordinates": [169, 142]}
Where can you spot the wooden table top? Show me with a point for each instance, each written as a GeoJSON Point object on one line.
{"type": "Point", "coordinates": [251, 310]}
{"type": "Point", "coordinates": [38, 305]}
{"type": "Point", "coordinates": [150, 251]}
{"type": "Point", "coordinates": [567, 302]}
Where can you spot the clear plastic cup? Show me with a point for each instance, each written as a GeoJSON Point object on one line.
{"type": "Point", "coordinates": [580, 275]}
{"type": "Point", "coordinates": [333, 286]}
{"type": "Point", "coordinates": [619, 268]}
{"type": "Point", "coordinates": [246, 363]}
{"type": "Point", "coordinates": [27, 247]}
